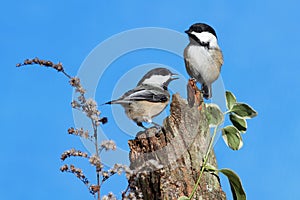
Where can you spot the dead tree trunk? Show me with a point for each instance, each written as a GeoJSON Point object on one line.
{"type": "Point", "coordinates": [167, 163]}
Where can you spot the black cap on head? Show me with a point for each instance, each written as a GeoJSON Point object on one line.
{"type": "Point", "coordinates": [201, 27]}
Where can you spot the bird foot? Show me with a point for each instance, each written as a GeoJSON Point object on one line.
{"type": "Point", "coordinates": [140, 124]}
{"type": "Point", "coordinates": [158, 127]}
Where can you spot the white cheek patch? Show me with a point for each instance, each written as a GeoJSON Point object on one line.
{"type": "Point", "coordinates": [156, 80]}
{"type": "Point", "coordinates": [206, 37]}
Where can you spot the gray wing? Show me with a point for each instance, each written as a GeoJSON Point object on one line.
{"type": "Point", "coordinates": [143, 93]}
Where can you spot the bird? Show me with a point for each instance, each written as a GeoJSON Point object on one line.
{"type": "Point", "coordinates": [203, 57]}
{"type": "Point", "coordinates": [149, 98]}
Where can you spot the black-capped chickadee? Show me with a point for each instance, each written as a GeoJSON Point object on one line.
{"type": "Point", "coordinates": [203, 56]}
{"type": "Point", "coordinates": [149, 98]}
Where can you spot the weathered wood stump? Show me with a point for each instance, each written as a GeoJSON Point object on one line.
{"type": "Point", "coordinates": [168, 162]}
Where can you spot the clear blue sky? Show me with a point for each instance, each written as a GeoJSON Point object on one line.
{"type": "Point", "coordinates": [260, 41]}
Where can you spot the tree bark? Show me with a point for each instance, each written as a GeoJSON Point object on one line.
{"type": "Point", "coordinates": [167, 163]}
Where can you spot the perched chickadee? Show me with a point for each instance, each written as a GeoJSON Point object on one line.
{"type": "Point", "coordinates": [203, 56]}
{"type": "Point", "coordinates": [149, 98]}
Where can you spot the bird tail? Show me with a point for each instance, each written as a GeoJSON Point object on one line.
{"type": "Point", "coordinates": [107, 103]}
{"type": "Point", "coordinates": [113, 102]}
{"type": "Point", "coordinates": [206, 89]}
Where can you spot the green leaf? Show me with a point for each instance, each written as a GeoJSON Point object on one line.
{"type": "Point", "coordinates": [243, 110]}
{"type": "Point", "coordinates": [237, 189]}
{"type": "Point", "coordinates": [232, 137]}
{"type": "Point", "coordinates": [214, 115]}
{"type": "Point", "coordinates": [183, 198]}
{"type": "Point", "coordinates": [238, 122]}
{"type": "Point", "coordinates": [230, 100]}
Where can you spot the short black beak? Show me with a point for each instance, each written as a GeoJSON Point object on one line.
{"type": "Point", "coordinates": [174, 77]}
{"type": "Point", "coordinates": [187, 32]}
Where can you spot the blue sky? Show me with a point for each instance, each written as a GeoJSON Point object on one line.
{"type": "Point", "coordinates": [260, 42]}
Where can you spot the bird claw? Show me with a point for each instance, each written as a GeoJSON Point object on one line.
{"type": "Point", "coordinates": [158, 128]}
{"type": "Point", "coordinates": [140, 124]}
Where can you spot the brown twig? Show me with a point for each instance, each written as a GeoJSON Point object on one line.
{"type": "Point", "coordinates": [45, 63]}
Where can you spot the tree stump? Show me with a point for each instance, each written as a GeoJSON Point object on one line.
{"type": "Point", "coordinates": [167, 163]}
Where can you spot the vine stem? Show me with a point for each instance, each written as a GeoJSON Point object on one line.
{"type": "Point", "coordinates": [228, 111]}
{"type": "Point", "coordinates": [205, 161]}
